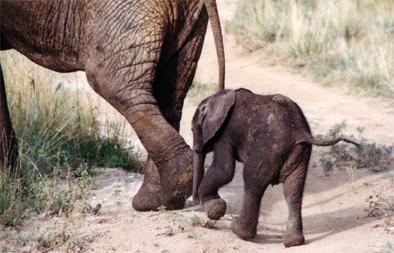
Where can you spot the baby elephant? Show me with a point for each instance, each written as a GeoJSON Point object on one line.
{"type": "Point", "coordinates": [271, 137]}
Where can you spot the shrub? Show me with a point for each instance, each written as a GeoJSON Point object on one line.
{"type": "Point", "coordinates": [372, 156]}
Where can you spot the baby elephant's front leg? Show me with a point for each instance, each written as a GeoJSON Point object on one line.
{"type": "Point", "coordinates": [215, 208]}
{"type": "Point", "coordinates": [220, 173]}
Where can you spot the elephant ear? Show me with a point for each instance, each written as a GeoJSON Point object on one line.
{"type": "Point", "coordinates": [214, 113]}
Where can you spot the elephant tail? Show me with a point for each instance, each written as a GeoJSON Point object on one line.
{"type": "Point", "coordinates": [213, 15]}
{"type": "Point", "coordinates": [317, 142]}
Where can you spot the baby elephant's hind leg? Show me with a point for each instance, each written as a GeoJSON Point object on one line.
{"type": "Point", "coordinates": [220, 173]}
{"type": "Point", "coordinates": [293, 188]}
{"type": "Point", "coordinates": [256, 181]}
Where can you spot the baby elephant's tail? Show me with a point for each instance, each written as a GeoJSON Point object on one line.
{"type": "Point", "coordinates": [313, 141]}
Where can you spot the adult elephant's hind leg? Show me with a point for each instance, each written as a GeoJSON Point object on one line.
{"type": "Point", "coordinates": [293, 189]}
{"type": "Point", "coordinates": [8, 144]}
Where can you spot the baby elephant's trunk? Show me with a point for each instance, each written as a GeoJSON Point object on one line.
{"type": "Point", "coordinates": [198, 173]}
{"type": "Point", "coordinates": [316, 142]}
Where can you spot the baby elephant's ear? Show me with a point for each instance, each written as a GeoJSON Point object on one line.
{"type": "Point", "coordinates": [215, 113]}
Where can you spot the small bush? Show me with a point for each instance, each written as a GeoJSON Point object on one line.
{"type": "Point", "coordinates": [195, 221]}
{"type": "Point", "coordinates": [327, 165]}
{"type": "Point", "coordinates": [372, 156]}
{"type": "Point", "coordinates": [380, 205]}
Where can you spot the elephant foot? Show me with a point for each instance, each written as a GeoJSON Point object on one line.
{"type": "Point", "coordinates": [215, 208]}
{"type": "Point", "coordinates": [243, 230]}
{"type": "Point", "coordinates": [147, 200]}
{"type": "Point", "coordinates": [291, 239]}
{"type": "Point", "coordinates": [177, 182]}
{"type": "Point", "coordinates": [175, 203]}
{"type": "Point", "coordinates": [170, 189]}
{"type": "Point", "coordinates": [148, 197]}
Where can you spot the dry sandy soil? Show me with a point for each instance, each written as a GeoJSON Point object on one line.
{"type": "Point", "coordinates": [334, 206]}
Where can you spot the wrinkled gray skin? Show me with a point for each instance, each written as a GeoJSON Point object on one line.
{"type": "Point", "coordinates": [139, 55]}
{"type": "Point", "coordinates": [271, 137]}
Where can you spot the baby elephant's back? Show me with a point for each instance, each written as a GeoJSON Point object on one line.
{"type": "Point", "coordinates": [274, 120]}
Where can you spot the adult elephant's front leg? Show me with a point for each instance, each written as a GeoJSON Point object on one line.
{"type": "Point", "coordinates": [165, 146]}
{"type": "Point", "coordinates": [149, 92]}
{"type": "Point", "coordinates": [174, 78]}
{"type": "Point", "coordinates": [8, 144]}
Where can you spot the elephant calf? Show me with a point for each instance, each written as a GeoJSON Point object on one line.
{"type": "Point", "coordinates": [271, 137]}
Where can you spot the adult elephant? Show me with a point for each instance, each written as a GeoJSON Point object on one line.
{"type": "Point", "coordinates": [139, 55]}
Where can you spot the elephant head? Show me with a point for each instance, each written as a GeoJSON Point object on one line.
{"type": "Point", "coordinates": [209, 118]}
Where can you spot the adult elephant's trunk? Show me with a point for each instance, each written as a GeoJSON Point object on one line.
{"type": "Point", "coordinates": [218, 37]}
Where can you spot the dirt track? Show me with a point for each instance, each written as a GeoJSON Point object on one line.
{"type": "Point", "coordinates": [333, 210]}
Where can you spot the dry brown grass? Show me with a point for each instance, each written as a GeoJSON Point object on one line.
{"type": "Point", "coordinates": [338, 41]}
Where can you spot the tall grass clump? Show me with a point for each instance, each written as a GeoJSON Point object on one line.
{"type": "Point", "coordinates": [57, 128]}
{"type": "Point", "coordinates": [59, 137]}
{"type": "Point", "coordinates": [338, 41]}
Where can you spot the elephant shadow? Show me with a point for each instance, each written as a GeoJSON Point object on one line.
{"type": "Point", "coordinates": [317, 226]}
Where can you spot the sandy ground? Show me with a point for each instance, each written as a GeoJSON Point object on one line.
{"type": "Point", "coordinates": [333, 210]}
{"type": "Point", "coordinates": [334, 206]}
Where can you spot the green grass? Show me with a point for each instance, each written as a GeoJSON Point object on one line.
{"type": "Point", "coordinates": [61, 132]}
{"type": "Point", "coordinates": [337, 41]}
{"type": "Point", "coordinates": [60, 139]}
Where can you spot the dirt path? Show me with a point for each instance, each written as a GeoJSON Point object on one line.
{"type": "Point", "coordinates": [333, 211]}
